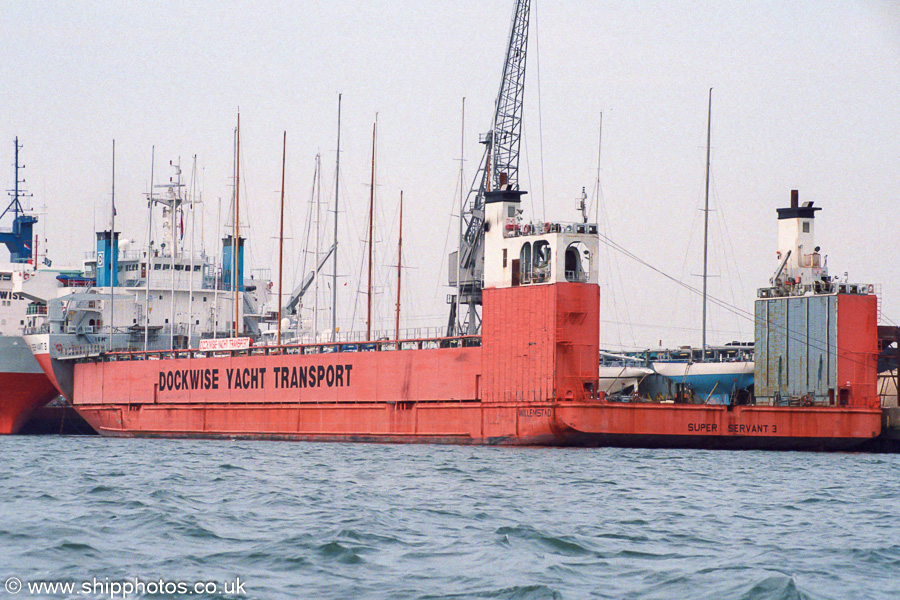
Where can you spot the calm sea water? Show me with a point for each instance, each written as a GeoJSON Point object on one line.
{"type": "Point", "coordinates": [299, 520]}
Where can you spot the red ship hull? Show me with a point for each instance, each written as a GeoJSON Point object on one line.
{"type": "Point", "coordinates": [20, 395]}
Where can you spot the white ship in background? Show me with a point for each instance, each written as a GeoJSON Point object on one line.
{"type": "Point", "coordinates": [162, 297]}
{"type": "Point", "coordinates": [25, 286]}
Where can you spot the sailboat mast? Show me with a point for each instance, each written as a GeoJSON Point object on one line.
{"type": "Point", "coordinates": [193, 193]}
{"type": "Point", "coordinates": [281, 234]}
{"type": "Point", "coordinates": [399, 269]}
{"type": "Point", "coordinates": [337, 176]}
{"type": "Point", "coordinates": [706, 219]}
{"type": "Point", "coordinates": [462, 209]}
{"type": "Point", "coordinates": [318, 194]}
{"type": "Point", "coordinates": [220, 276]}
{"type": "Point", "coordinates": [111, 261]}
{"type": "Point", "coordinates": [149, 266]}
{"type": "Point", "coordinates": [236, 226]}
{"type": "Point", "coordinates": [599, 152]}
{"type": "Point", "coordinates": [371, 233]}
{"type": "Point", "coordinates": [175, 197]}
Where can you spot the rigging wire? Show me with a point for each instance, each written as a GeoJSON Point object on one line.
{"type": "Point", "coordinates": [723, 223]}
{"type": "Point", "coordinates": [528, 169]}
{"type": "Point", "coordinates": [792, 334]}
{"type": "Point", "coordinates": [602, 218]}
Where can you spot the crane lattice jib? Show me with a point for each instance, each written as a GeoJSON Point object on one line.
{"type": "Point", "coordinates": [507, 127]}
{"type": "Point", "coordinates": [503, 140]}
{"type": "Point", "coordinates": [501, 157]}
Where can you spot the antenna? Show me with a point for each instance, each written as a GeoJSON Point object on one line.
{"type": "Point", "coordinates": [582, 205]}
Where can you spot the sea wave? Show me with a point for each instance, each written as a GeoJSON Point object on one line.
{"type": "Point", "coordinates": [425, 522]}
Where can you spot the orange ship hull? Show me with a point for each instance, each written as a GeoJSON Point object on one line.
{"type": "Point", "coordinates": [530, 379]}
{"type": "Point", "coordinates": [425, 396]}
{"type": "Point", "coordinates": [549, 424]}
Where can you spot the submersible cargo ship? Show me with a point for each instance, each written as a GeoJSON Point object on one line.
{"type": "Point", "coordinates": [529, 378]}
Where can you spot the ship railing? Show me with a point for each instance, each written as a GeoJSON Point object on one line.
{"type": "Point", "coordinates": [342, 337]}
{"type": "Point", "coordinates": [514, 228]}
{"type": "Point", "coordinates": [466, 341]}
{"type": "Point", "coordinates": [78, 283]}
{"type": "Point", "coordinates": [261, 274]}
{"type": "Point", "coordinates": [535, 276]}
{"type": "Point", "coordinates": [734, 397]}
{"type": "Point", "coordinates": [717, 354]}
{"type": "Point", "coordinates": [817, 287]}
{"type": "Point", "coordinates": [36, 309]}
{"type": "Point", "coordinates": [577, 276]}
{"type": "Point", "coordinates": [123, 254]}
{"type": "Point", "coordinates": [80, 351]}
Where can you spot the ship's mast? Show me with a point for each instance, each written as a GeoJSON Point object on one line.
{"type": "Point", "coordinates": [597, 184]}
{"type": "Point", "coordinates": [371, 233]}
{"type": "Point", "coordinates": [399, 269]}
{"type": "Point", "coordinates": [501, 158]}
{"type": "Point", "coordinates": [281, 233]}
{"type": "Point", "coordinates": [337, 187]}
{"type": "Point", "coordinates": [219, 278]}
{"type": "Point", "coordinates": [455, 307]}
{"type": "Point", "coordinates": [236, 227]}
{"type": "Point", "coordinates": [16, 193]}
{"type": "Point", "coordinates": [18, 240]}
{"type": "Point", "coordinates": [149, 266]}
{"type": "Point", "coordinates": [175, 200]}
{"type": "Point", "coordinates": [115, 249]}
{"type": "Point", "coordinates": [193, 199]}
{"type": "Point", "coordinates": [318, 196]}
{"type": "Point", "coordinates": [706, 219]}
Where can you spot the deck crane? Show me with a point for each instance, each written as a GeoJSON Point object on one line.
{"type": "Point", "coordinates": [499, 166]}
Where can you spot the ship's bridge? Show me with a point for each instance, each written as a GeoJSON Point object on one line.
{"type": "Point", "coordinates": [519, 253]}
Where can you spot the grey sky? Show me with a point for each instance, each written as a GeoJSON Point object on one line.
{"type": "Point", "coordinates": [806, 95]}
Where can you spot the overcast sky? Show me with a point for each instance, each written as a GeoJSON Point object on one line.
{"type": "Point", "coordinates": [806, 96]}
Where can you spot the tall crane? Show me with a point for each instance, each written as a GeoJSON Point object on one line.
{"type": "Point", "coordinates": [499, 167]}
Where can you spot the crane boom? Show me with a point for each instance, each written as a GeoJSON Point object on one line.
{"type": "Point", "coordinates": [297, 294]}
{"type": "Point", "coordinates": [499, 166]}
{"type": "Point", "coordinates": [507, 126]}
